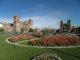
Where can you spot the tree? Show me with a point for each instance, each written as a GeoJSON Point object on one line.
{"type": "Point", "coordinates": [2, 30]}
{"type": "Point", "coordinates": [31, 30]}
{"type": "Point", "coordinates": [45, 32]}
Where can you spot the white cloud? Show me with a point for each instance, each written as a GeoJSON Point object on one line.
{"type": "Point", "coordinates": [58, 14]}
{"type": "Point", "coordinates": [1, 25]}
{"type": "Point", "coordinates": [40, 5]}
{"type": "Point", "coordinates": [51, 19]}
{"type": "Point", "coordinates": [6, 20]}
{"type": "Point", "coordinates": [44, 21]}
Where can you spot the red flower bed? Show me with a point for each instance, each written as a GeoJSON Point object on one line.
{"type": "Point", "coordinates": [20, 37]}
{"type": "Point", "coordinates": [38, 35]}
{"type": "Point", "coordinates": [56, 40]}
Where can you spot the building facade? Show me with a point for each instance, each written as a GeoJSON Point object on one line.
{"type": "Point", "coordinates": [65, 27]}
{"type": "Point", "coordinates": [18, 25]}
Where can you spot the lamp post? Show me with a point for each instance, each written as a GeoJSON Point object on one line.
{"type": "Point", "coordinates": [79, 31]}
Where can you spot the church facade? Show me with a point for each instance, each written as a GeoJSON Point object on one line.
{"type": "Point", "coordinates": [68, 27]}
{"type": "Point", "coordinates": [65, 27]}
{"type": "Point", "coordinates": [18, 25]}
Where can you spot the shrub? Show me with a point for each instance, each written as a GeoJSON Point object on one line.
{"type": "Point", "coordinates": [47, 56]}
{"type": "Point", "coordinates": [56, 41]}
{"type": "Point", "coordinates": [21, 37]}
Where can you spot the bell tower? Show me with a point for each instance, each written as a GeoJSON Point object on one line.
{"type": "Point", "coordinates": [30, 23]}
{"type": "Point", "coordinates": [61, 25]}
{"type": "Point", "coordinates": [69, 25]}
{"type": "Point", "coordinates": [16, 24]}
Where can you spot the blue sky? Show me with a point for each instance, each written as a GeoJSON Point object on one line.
{"type": "Point", "coordinates": [43, 12]}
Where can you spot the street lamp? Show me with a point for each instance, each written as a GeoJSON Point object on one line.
{"type": "Point", "coordinates": [79, 31]}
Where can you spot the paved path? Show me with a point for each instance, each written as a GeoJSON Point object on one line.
{"type": "Point", "coordinates": [17, 43]}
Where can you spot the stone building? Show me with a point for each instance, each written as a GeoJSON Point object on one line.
{"type": "Point", "coordinates": [26, 25]}
{"type": "Point", "coordinates": [8, 27]}
{"type": "Point", "coordinates": [17, 25]}
{"type": "Point", "coordinates": [65, 27]}
{"type": "Point", "coordinates": [75, 30]}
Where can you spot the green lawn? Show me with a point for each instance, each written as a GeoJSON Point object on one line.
{"type": "Point", "coordinates": [11, 52]}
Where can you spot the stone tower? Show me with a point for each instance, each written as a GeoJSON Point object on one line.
{"type": "Point", "coordinates": [16, 24]}
{"type": "Point", "coordinates": [30, 23]}
{"type": "Point", "coordinates": [61, 25]}
{"type": "Point", "coordinates": [69, 25]}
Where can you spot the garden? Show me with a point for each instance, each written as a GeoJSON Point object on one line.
{"type": "Point", "coordinates": [56, 41]}
{"type": "Point", "coordinates": [46, 40]}
{"type": "Point", "coordinates": [17, 52]}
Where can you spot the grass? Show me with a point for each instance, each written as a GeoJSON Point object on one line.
{"type": "Point", "coordinates": [24, 43]}
{"type": "Point", "coordinates": [11, 52]}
